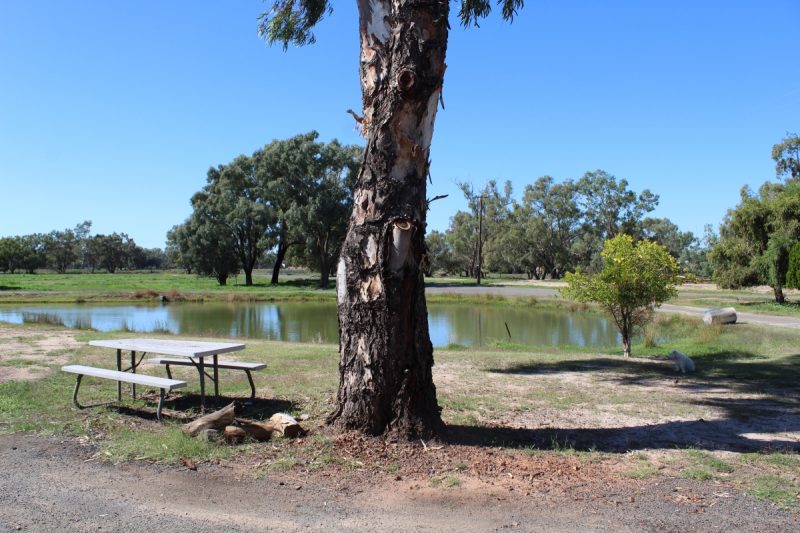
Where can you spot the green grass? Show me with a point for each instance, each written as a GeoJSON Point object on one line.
{"type": "Point", "coordinates": [149, 286]}
{"type": "Point", "coordinates": [777, 489]}
{"type": "Point", "coordinates": [709, 461]}
{"type": "Point", "coordinates": [700, 474]}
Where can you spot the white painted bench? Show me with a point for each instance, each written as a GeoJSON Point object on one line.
{"type": "Point", "coordinates": [162, 384]}
{"type": "Point", "coordinates": [230, 365]}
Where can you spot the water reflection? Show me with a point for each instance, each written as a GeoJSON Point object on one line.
{"type": "Point", "coordinates": [316, 322]}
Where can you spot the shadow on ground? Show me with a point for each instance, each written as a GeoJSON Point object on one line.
{"type": "Point", "coordinates": [187, 406]}
{"type": "Point", "coordinates": [757, 402]}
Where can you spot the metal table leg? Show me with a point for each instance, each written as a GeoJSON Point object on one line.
{"type": "Point", "coordinates": [133, 369]}
{"type": "Point", "coordinates": [202, 370]}
{"type": "Point", "coordinates": [119, 368]}
{"type": "Point", "coordinates": [216, 381]}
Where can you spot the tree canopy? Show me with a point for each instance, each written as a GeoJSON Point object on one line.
{"type": "Point", "coordinates": [635, 279]}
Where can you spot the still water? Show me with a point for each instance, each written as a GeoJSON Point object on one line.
{"type": "Point", "coordinates": [467, 325]}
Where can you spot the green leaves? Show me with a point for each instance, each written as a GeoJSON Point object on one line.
{"type": "Point", "coordinates": [786, 155]}
{"type": "Point", "coordinates": [634, 280]}
{"type": "Point", "coordinates": [291, 21]}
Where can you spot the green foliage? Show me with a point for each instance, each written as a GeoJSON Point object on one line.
{"type": "Point", "coordinates": [635, 278]}
{"type": "Point", "coordinates": [290, 192]}
{"type": "Point", "coordinates": [756, 238]}
{"type": "Point", "coordinates": [793, 269]}
{"type": "Point", "coordinates": [439, 254]}
{"type": "Point", "coordinates": [786, 155]}
{"type": "Point", "coordinates": [319, 216]}
{"type": "Point", "coordinates": [291, 21]}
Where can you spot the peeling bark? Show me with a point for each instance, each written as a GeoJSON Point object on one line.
{"type": "Point", "coordinates": [385, 351]}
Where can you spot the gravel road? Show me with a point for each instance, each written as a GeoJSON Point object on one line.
{"type": "Point", "coordinates": [51, 484]}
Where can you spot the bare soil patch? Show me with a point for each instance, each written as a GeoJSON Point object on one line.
{"type": "Point", "coordinates": [27, 354]}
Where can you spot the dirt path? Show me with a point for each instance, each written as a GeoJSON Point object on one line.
{"type": "Point", "coordinates": [55, 485]}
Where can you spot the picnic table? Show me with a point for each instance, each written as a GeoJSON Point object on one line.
{"type": "Point", "coordinates": [194, 353]}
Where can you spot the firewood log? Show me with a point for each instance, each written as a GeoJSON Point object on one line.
{"type": "Point", "coordinates": [234, 434]}
{"type": "Point", "coordinates": [286, 425]}
{"type": "Point", "coordinates": [216, 420]}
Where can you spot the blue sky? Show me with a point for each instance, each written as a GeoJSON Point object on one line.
{"type": "Point", "coordinates": [114, 111]}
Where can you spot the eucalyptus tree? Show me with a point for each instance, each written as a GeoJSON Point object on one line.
{"type": "Point", "coordinates": [786, 155]}
{"type": "Point", "coordinates": [62, 249]}
{"type": "Point", "coordinates": [552, 220]}
{"type": "Point", "coordinates": [283, 170]}
{"type": "Point", "coordinates": [385, 351]}
{"type": "Point", "coordinates": [205, 247]}
{"type": "Point", "coordinates": [113, 252]}
{"type": "Point", "coordinates": [609, 208]}
{"type": "Point", "coordinates": [231, 199]}
{"type": "Point", "coordinates": [292, 175]}
{"type": "Point", "coordinates": [322, 218]}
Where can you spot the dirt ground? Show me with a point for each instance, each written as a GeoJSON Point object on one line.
{"type": "Point", "coordinates": [51, 484]}
{"type": "Point", "coordinates": [33, 353]}
{"type": "Point", "coordinates": [502, 474]}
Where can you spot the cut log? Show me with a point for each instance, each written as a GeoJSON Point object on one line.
{"type": "Point", "coordinates": [260, 431]}
{"type": "Point", "coordinates": [216, 420]}
{"type": "Point", "coordinates": [234, 434]}
{"type": "Point", "coordinates": [720, 315]}
{"type": "Point", "coordinates": [286, 425]}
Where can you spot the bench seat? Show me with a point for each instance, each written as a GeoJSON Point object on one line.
{"type": "Point", "coordinates": [185, 361]}
{"type": "Point", "coordinates": [163, 384]}
{"type": "Point", "coordinates": [246, 366]}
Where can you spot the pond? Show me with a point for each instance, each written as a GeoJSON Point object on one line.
{"type": "Point", "coordinates": [464, 324]}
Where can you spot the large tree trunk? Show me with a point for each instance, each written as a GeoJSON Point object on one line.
{"type": "Point", "coordinates": [385, 351]}
{"type": "Point", "coordinates": [276, 270]}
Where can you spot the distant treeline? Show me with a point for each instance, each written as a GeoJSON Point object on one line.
{"type": "Point", "coordinates": [75, 249]}
{"type": "Point", "coordinates": [556, 228]}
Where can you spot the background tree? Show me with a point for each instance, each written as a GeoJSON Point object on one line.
{"type": "Point", "coordinates": [323, 218]}
{"type": "Point", "coordinates": [786, 155]}
{"type": "Point", "coordinates": [487, 218]}
{"type": "Point", "coordinates": [756, 237]}
{"type": "Point", "coordinates": [231, 200]}
{"type": "Point", "coordinates": [609, 208]}
{"type": "Point", "coordinates": [112, 252]}
{"type": "Point", "coordinates": [284, 172]}
{"type": "Point", "coordinates": [205, 247]}
{"type": "Point", "coordinates": [634, 280]}
{"type": "Point", "coordinates": [439, 255]}
{"type": "Point", "coordinates": [62, 249]}
{"type": "Point", "coordinates": [385, 350]}
{"type": "Point", "coordinates": [12, 253]}
{"type": "Point", "coordinates": [552, 221]}
{"type": "Point", "coordinates": [793, 270]}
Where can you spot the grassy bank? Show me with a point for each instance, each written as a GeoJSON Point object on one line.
{"type": "Point", "coordinates": [146, 286]}
{"type": "Point", "coordinates": [595, 405]}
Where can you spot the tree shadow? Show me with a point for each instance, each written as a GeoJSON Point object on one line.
{"type": "Point", "coordinates": [728, 434]}
{"type": "Point", "coordinates": [187, 406]}
{"type": "Point", "coordinates": [766, 407]}
{"type": "Point", "coordinates": [9, 288]}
